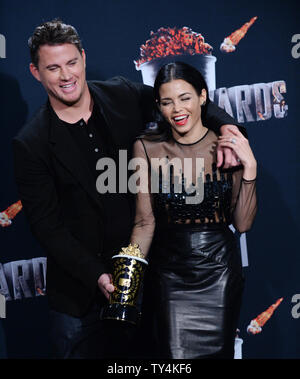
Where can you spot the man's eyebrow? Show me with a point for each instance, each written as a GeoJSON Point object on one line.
{"type": "Point", "coordinates": [73, 59]}
{"type": "Point", "coordinates": [52, 65]}
{"type": "Point", "coordinates": [56, 65]}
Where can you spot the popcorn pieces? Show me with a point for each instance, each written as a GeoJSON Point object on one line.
{"type": "Point", "coordinates": [4, 220]}
{"type": "Point", "coordinates": [171, 42]}
{"type": "Point", "coordinates": [254, 328]}
{"type": "Point", "coordinates": [132, 250]}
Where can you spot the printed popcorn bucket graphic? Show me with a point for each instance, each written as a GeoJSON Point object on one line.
{"type": "Point", "coordinates": [176, 44]}
{"type": "Point", "coordinates": [204, 63]}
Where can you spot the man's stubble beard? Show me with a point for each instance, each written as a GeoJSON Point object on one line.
{"type": "Point", "coordinates": [63, 101]}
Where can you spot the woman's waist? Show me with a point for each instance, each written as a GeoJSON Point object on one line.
{"type": "Point", "coordinates": [191, 227]}
{"type": "Point", "coordinates": [188, 246]}
{"type": "Point", "coordinates": [192, 235]}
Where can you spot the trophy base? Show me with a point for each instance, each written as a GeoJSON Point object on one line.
{"type": "Point", "coordinates": [127, 313]}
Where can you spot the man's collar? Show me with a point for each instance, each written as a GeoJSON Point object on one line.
{"type": "Point", "coordinates": [61, 123]}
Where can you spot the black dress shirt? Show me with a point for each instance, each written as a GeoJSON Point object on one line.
{"type": "Point", "coordinates": [94, 142]}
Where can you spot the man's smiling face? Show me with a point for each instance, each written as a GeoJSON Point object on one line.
{"type": "Point", "coordinates": [61, 70]}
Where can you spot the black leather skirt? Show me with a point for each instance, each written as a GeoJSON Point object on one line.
{"type": "Point", "coordinates": [193, 291]}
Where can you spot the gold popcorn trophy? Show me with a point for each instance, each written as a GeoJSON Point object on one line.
{"type": "Point", "coordinates": [128, 271]}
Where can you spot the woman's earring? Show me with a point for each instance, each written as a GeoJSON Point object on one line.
{"type": "Point", "coordinates": [204, 102]}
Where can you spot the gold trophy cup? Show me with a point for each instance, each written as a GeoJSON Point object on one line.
{"type": "Point", "coordinates": [128, 271]}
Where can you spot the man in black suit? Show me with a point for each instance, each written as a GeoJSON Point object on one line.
{"type": "Point", "coordinates": [55, 167]}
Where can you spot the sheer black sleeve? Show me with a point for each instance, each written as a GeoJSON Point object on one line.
{"type": "Point", "coordinates": [144, 224]}
{"type": "Point", "coordinates": [244, 202]}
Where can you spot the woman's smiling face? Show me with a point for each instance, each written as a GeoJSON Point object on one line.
{"type": "Point", "coordinates": [180, 105]}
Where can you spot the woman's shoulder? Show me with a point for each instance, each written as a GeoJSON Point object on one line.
{"type": "Point", "coordinates": [151, 147]}
{"type": "Point", "coordinates": [148, 142]}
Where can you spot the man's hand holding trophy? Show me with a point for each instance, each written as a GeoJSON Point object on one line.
{"type": "Point", "coordinates": [127, 275]}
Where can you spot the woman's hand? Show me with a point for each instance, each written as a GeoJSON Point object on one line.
{"type": "Point", "coordinates": [105, 284]}
{"type": "Point", "coordinates": [240, 145]}
{"type": "Point", "coordinates": [225, 155]}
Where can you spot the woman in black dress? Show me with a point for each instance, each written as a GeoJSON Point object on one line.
{"type": "Point", "coordinates": [194, 282]}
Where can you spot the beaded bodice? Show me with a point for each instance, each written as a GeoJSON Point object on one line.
{"type": "Point", "coordinates": [171, 206]}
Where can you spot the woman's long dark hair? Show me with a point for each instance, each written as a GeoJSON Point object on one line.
{"type": "Point", "coordinates": [167, 73]}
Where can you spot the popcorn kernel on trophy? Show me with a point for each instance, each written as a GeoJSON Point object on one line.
{"type": "Point", "coordinates": [128, 271]}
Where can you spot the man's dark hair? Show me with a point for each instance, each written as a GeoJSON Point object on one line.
{"type": "Point", "coordinates": [54, 32]}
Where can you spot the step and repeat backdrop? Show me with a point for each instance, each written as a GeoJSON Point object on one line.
{"type": "Point", "coordinates": [249, 53]}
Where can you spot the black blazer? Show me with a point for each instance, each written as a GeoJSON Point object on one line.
{"type": "Point", "coordinates": [59, 195]}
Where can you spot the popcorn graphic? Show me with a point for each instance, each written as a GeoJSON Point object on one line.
{"type": "Point", "coordinates": [230, 42]}
{"type": "Point", "coordinates": [176, 44]}
{"type": "Point", "coordinates": [10, 213]}
{"type": "Point", "coordinates": [256, 324]}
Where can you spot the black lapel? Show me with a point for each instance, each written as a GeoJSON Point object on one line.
{"type": "Point", "coordinates": [66, 150]}
{"type": "Point", "coordinates": [102, 102]}
{"type": "Point", "coordinates": [115, 131]}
